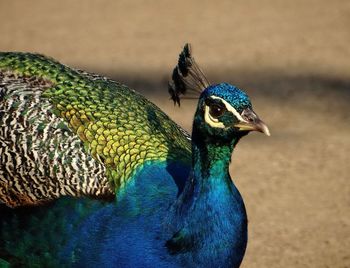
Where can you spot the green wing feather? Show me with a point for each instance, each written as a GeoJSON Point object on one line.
{"type": "Point", "coordinates": [118, 126]}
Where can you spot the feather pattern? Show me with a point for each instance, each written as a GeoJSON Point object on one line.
{"type": "Point", "coordinates": [111, 129]}
{"type": "Point", "coordinates": [70, 139]}
{"type": "Point", "coordinates": [41, 158]}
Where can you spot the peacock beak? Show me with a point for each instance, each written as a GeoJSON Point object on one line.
{"type": "Point", "coordinates": [252, 122]}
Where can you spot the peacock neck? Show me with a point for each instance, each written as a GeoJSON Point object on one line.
{"type": "Point", "coordinates": [210, 161]}
{"type": "Point", "coordinates": [209, 215]}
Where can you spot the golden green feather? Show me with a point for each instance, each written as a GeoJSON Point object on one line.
{"type": "Point", "coordinates": [118, 126]}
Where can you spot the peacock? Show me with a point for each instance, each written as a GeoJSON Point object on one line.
{"type": "Point", "coordinates": [92, 174]}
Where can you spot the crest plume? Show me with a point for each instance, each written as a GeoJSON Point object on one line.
{"type": "Point", "coordinates": [187, 77]}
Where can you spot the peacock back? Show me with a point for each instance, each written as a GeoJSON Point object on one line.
{"type": "Point", "coordinates": [69, 132]}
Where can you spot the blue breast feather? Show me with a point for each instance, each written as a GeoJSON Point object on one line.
{"type": "Point", "coordinates": [93, 233]}
{"type": "Point", "coordinates": [129, 233]}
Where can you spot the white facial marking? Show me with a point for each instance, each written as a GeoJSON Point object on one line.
{"type": "Point", "coordinates": [230, 108]}
{"type": "Point", "coordinates": [213, 122]}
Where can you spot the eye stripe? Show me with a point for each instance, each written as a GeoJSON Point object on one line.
{"type": "Point", "coordinates": [230, 108]}
{"type": "Point", "coordinates": [213, 122]}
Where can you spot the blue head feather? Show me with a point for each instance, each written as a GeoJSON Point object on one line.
{"type": "Point", "coordinates": [233, 95]}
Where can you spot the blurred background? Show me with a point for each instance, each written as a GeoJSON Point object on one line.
{"type": "Point", "coordinates": [293, 59]}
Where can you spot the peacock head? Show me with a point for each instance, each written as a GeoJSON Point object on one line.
{"type": "Point", "coordinates": [224, 112]}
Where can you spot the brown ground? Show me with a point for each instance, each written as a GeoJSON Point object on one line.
{"type": "Point", "coordinates": [293, 59]}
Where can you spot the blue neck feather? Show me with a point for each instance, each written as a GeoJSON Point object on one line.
{"type": "Point", "coordinates": [208, 221]}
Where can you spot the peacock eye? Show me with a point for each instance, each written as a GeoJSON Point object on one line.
{"type": "Point", "coordinates": [216, 110]}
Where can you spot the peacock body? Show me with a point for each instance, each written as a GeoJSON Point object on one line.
{"type": "Point", "coordinates": [94, 175]}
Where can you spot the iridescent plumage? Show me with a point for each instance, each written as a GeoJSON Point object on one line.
{"type": "Point", "coordinates": [108, 129]}
{"type": "Point", "coordinates": [159, 198]}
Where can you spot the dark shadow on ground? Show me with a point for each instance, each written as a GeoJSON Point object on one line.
{"type": "Point", "coordinates": [330, 94]}
{"type": "Point", "coordinates": [266, 83]}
